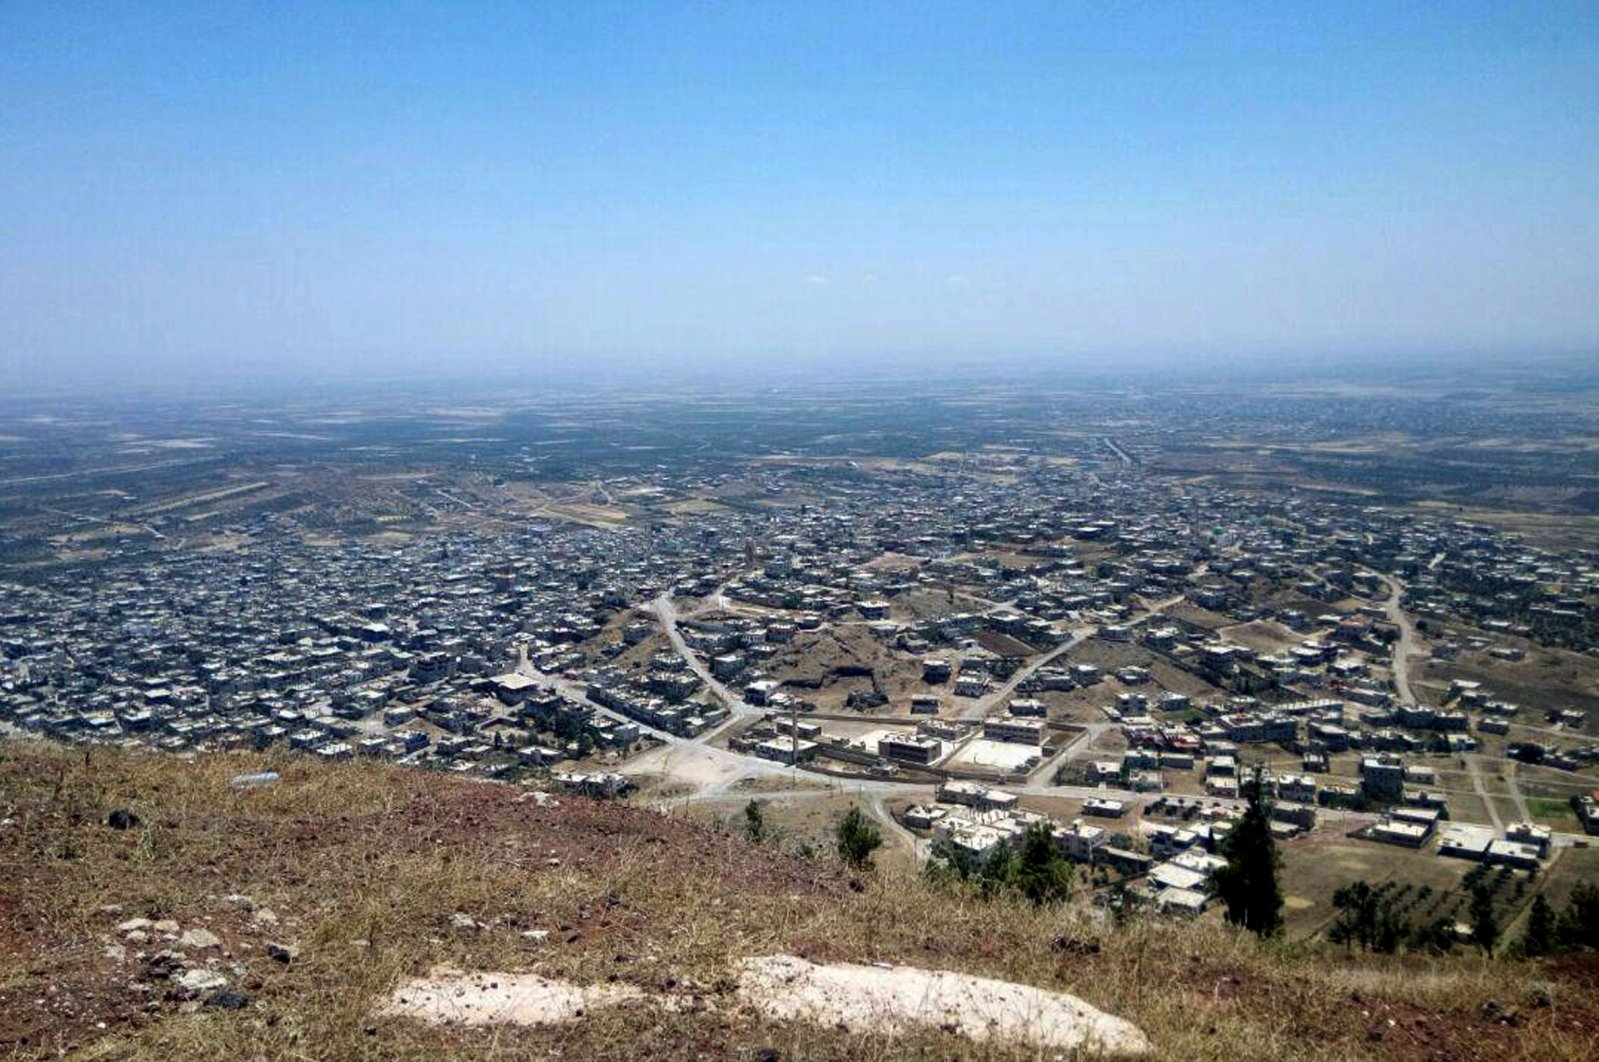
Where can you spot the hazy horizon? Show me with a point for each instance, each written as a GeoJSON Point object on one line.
{"type": "Point", "coordinates": [403, 192]}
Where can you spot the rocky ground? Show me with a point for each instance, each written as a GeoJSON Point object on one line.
{"type": "Point", "coordinates": [275, 921]}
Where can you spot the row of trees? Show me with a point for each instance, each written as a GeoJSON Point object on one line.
{"type": "Point", "coordinates": [1376, 919]}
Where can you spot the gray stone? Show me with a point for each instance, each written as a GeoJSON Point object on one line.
{"type": "Point", "coordinates": [195, 982]}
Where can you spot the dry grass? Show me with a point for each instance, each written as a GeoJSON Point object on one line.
{"type": "Point", "coordinates": [366, 865]}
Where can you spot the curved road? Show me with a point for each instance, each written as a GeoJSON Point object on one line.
{"type": "Point", "coordinates": [1407, 637]}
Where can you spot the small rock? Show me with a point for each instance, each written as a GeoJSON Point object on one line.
{"type": "Point", "coordinates": [123, 819]}
{"type": "Point", "coordinates": [116, 952]}
{"type": "Point", "coordinates": [1539, 994]}
{"type": "Point", "coordinates": [196, 982]}
{"type": "Point", "coordinates": [164, 964]}
{"type": "Point", "coordinates": [1073, 946]}
{"type": "Point", "coordinates": [136, 936]}
{"type": "Point", "coordinates": [284, 953]}
{"type": "Point", "coordinates": [166, 925]}
{"type": "Point", "coordinates": [465, 922]}
{"type": "Point", "coordinates": [1496, 1011]}
{"type": "Point", "coordinates": [111, 909]}
{"type": "Point", "coordinates": [264, 917]}
{"type": "Point", "coordinates": [536, 936]}
{"type": "Point", "coordinates": [240, 901]}
{"type": "Point", "coordinates": [133, 925]}
{"type": "Point", "coordinates": [227, 999]}
{"type": "Point", "coordinates": [199, 939]}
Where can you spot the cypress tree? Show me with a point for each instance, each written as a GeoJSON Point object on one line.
{"type": "Point", "coordinates": [1248, 884]}
{"type": "Point", "coordinates": [1539, 938]}
{"type": "Point", "coordinates": [1484, 924]}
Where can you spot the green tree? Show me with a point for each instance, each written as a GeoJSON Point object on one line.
{"type": "Point", "coordinates": [1578, 925]}
{"type": "Point", "coordinates": [1357, 919]}
{"type": "Point", "coordinates": [1436, 936]}
{"type": "Point", "coordinates": [1040, 872]}
{"type": "Point", "coordinates": [1248, 884]}
{"type": "Point", "coordinates": [1368, 917]}
{"type": "Point", "coordinates": [857, 839]}
{"type": "Point", "coordinates": [1391, 930]}
{"type": "Point", "coordinates": [754, 822]}
{"type": "Point", "coordinates": [1484, 923]}
{"type": "Point", "coordinates": [995, 875]}
{"type": "Point", "coordinates": [1539, 939]}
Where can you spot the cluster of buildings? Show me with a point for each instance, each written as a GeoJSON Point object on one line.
{"type": "Point", "coordinates": [525, 647]}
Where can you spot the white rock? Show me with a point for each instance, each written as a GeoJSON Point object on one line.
{"type": "Point", "coordinates": [872, 999]}
{"type": "Point", "coordinates": [133, 925]}
{"type": "Point", "coordinates": [199, 939]}
{"type": "Point", "coordinates": [451, 997]}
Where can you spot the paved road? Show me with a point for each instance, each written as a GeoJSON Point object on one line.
{"type": "Point", "coordinates": [1121, 455]}
{"type": "Point", "coordinates": [1075, 749]}
{"type": "Point", "coordinates": [917, 847]}
{"type": "Point", "coordinates": [1405, 644]}
{"type": "Point", "coordinates": [720, 767]}
{"type": "Point", "coordinates": [666, 612]}
{"type": "Point", "coordinates": [985, 704]}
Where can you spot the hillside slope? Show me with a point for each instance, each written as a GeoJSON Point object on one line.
{"type": "Point", "coordinates": [363, 875]}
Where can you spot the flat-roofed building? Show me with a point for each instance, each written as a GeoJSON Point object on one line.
{"type": "Point", "coordinates": [909, 748]}
{"type": "Point", "coordinates": [1018, 731]}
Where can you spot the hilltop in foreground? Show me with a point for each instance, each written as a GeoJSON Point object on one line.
{"type": "Point", "coordinates": [293, 919]}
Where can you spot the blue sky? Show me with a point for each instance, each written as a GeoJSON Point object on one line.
{"type": "Point", "coordinates": [398, 188]}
